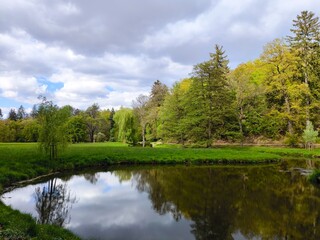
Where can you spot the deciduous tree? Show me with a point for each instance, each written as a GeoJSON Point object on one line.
{"type": "Point", "coordinates": [140, 107]}
{"type": "Point", "coordinates": [126, 125]}
{"type": "Point", "coordinates": [92, 120]}
{"type": "Point", "coordinates": [53, 135]}
{"type": "Point", "coordinates": [309, 135]}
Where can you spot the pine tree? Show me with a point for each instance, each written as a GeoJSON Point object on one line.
{"type": "Point", "coordinates": [34, 111]}
{"type": "Point", "coordinates": [21, 114]}
{"type": "Point", "coordinates": [157, 97]}
{"type": "Point", "coordinates": [210, 98]}
{"type": "Point", "coordinates": [305, 43]}
{"type": "Point", "coordinates": [12, 115]}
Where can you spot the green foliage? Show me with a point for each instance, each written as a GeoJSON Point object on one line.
{"type": "Point", "coordinates": [140, 108]}
{"type": "Point", "coordinates": [157, 97]}
{"type": "Point", "coordinates": [53, 128]}
{"type": "Point", "coordinates": [314, 177]}
{"type": "Point", "coordinates": [126, 125]}
{"type": "Point", "coordinates": [281, 84]}
{"type": "Point", "coordinates": [92, 120]}
{"type": "Point", "coordinates": [100, 137]}
{"type": "Point", "coordinates": [211, 106]}
{"type": "Point", "coordinates": [21, 114]}
{"type": "Point", "coordinates": [30, 130]}
{"type": "Point", "coordinates": [18, 226]}
{"type": "Point", "coordinates": [173, 112]}
{"type": "Point", "coordinates": [77, 128]}
{"type": "Point", "coordinates": [12, 115]}
{"type": "Point", "coordinates": [309, 135]}
{"type": "Point", "coordinates": [292, 140]}
{"type": "Point", "coordinates": [305, 44]}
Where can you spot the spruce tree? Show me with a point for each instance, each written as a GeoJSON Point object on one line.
{"type": "Point", "coordinates": [210, 97]}
{"type": "Point", "coordinates": [305, 43]}
{"type": "Point", "coordinates": [21, 114]}
{"type": "Point", "coordinates": [12, 115]}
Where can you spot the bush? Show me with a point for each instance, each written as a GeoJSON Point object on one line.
{"type": "Point", "coordinates": [315, 176]}
{"type": "Point", "coordinates": [292, 140]}
{"type": "Point", "coordinates": [100, 137]}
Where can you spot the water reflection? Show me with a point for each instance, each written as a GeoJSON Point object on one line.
{"type": "Point", "coordinates": [53, 203]}
{"type": "Point", "coordinates": [92, 177]}
{"type": "Point", "coordinates": [223, 203]}
{"type": "Point", "coordinates": [217, 202]}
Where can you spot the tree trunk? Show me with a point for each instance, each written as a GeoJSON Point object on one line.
{"type": "Point", "coordinates": [306, 81]}
{"type": "Point", "coordinates": [240, 124]}
{"type": "Point", "coordinates": [143, 136]}
{"type": "Point", "coordinates": [288, 110]}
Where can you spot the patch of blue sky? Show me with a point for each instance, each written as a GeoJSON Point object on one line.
{"type": "Point", "coordinates": [107, 189]}
{"type": "Point", "coordinates": [110, 89]}
{"type": "Point", "coordinates": [11, 103]}
{"type": "Point", "coordinates": [51, 87]}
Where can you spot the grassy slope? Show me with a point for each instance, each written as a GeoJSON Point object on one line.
{"type": "Point", "coordinates": [23, 161]}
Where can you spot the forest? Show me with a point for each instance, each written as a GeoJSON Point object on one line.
{"type": "Point", "coordinates": [274, 98]}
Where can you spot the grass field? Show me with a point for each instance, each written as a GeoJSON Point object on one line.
{"type": "Point", "coordinates": [24, 161]}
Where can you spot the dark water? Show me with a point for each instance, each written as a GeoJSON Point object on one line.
{"type": "Point", "coordinates": [183, 202]}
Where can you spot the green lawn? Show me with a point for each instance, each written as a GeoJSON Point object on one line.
{"type": "Point", "coordinates": [23, 161]}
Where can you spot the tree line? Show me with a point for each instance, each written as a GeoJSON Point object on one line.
{"type": "Point", "coordinates": [275, 97]}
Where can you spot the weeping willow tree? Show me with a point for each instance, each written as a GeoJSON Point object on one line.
{"type": "Point", "coordinates": [126, 125]}
{"type": "Point", "coordinates": [53, 135]}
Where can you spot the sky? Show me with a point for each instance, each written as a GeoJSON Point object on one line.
{"type": "Point", "coordinates": [81, 52]}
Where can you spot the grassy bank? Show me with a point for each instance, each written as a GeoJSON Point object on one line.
{"type": "Point", "coordinates": [23, 161]}
{"type": "Point", "coordinates": [17, 226]}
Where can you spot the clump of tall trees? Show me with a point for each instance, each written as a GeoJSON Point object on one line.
{"type": "Point", "coordinates": [275, 97]}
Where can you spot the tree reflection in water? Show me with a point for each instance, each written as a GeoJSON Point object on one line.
{"type": "Point", "coordinates": [92, 177]}
{"type": "Point", "coordinates": [53, 203]}
{"type": "Point", "coordinates": [227, 203]}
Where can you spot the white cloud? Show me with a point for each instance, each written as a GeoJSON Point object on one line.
{"type": "Point", "coordinates": [203, 27]}
{"type": "Point", "coordinates": [21, 87]}
{"type": "Point", "coordinates": [68, 8]}
{"type": "Point", "coordinates": [106, 54]}
{"type": "Point", "coordinates": [108, 79]}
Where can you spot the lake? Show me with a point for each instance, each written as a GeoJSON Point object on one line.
{"type": "Point", "coordinates": [179, 202]}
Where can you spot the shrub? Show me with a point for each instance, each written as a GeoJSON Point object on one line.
{"type": "Point", "coordinates": [292, 140]}
{"type": "Point", "coordinates": [315, 176]}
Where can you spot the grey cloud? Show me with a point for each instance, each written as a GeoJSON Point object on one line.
{"type": "Point", "coordinates": [127, 45]}
{"type": "Point", "coordinates": [148, 231]}
{"type": "Point", "coordinates": [98, 26]}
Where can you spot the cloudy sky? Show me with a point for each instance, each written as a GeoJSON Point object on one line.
{"type": "Point", "coordinates": [81, 52]}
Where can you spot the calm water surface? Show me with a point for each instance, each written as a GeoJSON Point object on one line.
{"type": "Point", "coordinates": [216, 202]}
